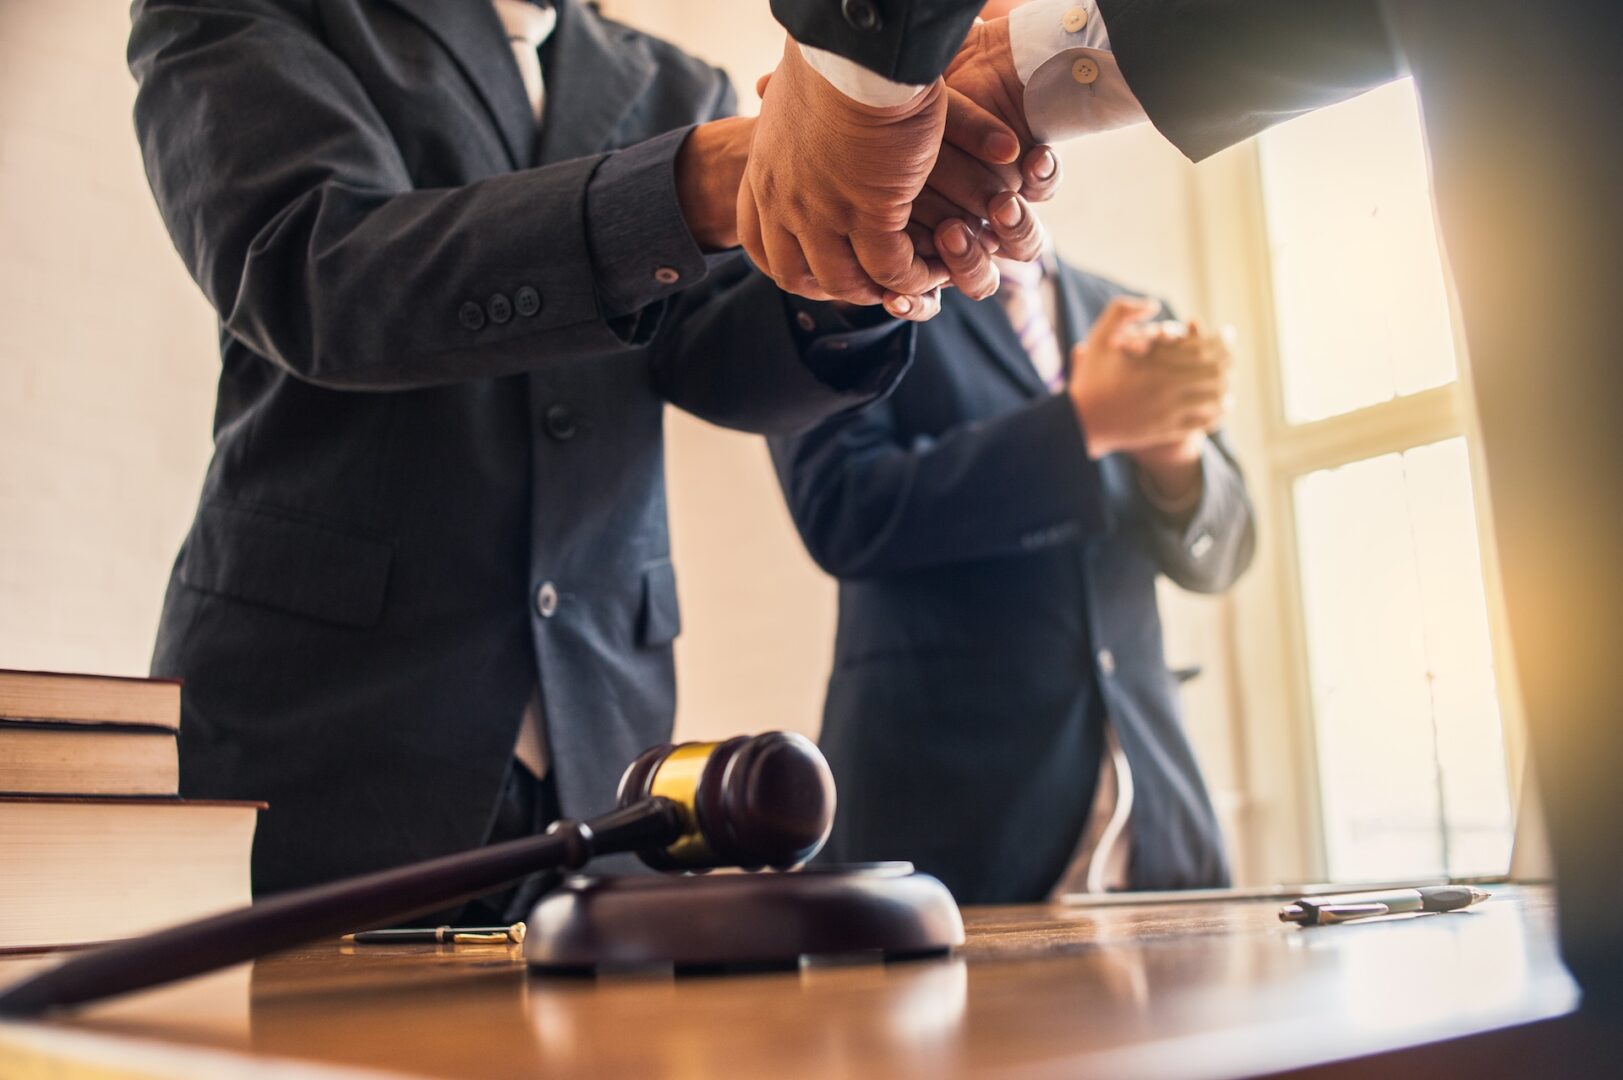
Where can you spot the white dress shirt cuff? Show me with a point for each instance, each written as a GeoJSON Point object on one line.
{"type": "Point", "coordinates": [857, 82]}
{"type": "Point", "coordinates": [1063, 57]}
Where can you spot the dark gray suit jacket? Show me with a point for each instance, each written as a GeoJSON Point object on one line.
{"type": "Point", "coordinates": [443, 377]}
{"type": "Point", "coordinates": [997, 602]}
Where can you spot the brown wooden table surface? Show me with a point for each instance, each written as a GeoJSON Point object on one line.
{"type": "Point", "coordinates": [1194, 989]}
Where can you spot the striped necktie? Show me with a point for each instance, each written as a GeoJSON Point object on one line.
{"type": "Point", "coordinates": [527, 26]}
{"type": "Point", "coordinates": [1021, 294]}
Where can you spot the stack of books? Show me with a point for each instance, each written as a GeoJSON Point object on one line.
{"type": "Point", "coordinates": [95, 842]}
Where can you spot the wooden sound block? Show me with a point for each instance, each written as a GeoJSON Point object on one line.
{"type": "Point", "coordinates": [877, 911]}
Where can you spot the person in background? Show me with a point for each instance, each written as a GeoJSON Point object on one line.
{"type": "Point", "coordinates": [1000, 712]}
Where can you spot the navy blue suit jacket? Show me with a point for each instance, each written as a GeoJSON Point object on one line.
{"type": "Point", "coordinates": [997, 598]}
{"type": "Point", "coordinates": [447, 344]}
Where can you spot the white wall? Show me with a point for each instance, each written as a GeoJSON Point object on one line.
{"type": "Point", "coordinates": [107, 353]}
{"type": "Point", "coordinates": [107, 362]}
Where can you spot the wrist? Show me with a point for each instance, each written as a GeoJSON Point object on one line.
{"type": "Point", "coordinates": [1171, 477]}
{"type": "Point", "coordinates": [1095, 438]}
{"type": "Point", "coordinates": [709, 170]}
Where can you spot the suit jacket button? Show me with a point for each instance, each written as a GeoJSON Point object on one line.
{"type": "Point", "coordinates": [560, 422]}
{"type": "Point", "coordinates": [471, 316]}
{"type": "Point", "coordinates": [546, 600]}
{"type": "Point", "coordinates": [527, 301]}
{"type": "Point", "coordinates": [862, 15]}
{"type": "Point", "coordinates": [500, 308]}
{"type": "Point", "coordinates": [1107, 661]}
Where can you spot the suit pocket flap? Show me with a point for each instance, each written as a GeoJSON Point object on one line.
{"type": "Point", "coordinates": [661, 619]}
{"type": "Point", "coordinates": [287, 564]}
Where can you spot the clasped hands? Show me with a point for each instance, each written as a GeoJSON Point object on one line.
{"type": "Point", "coordinates": [1152, 391]}
{"type": "Point", "coordinates": [837, 200]}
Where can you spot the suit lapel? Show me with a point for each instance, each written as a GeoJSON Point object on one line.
{"type": "Point", "coordinates": [470, 31]}
{"type": "Point", "coordinates": [987, 322]}
{"type": "Point", "coordinates": [595, 74]}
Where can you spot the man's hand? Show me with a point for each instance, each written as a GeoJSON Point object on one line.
{"type": "Point", "coordinates": [1152, 392]}
{"type": "Point", "coordinates": [709, 168]}
{"type": "Point", "coordinates": [1172, 470]}
{"type": "Point", "coordinates": [983, 72]}
{"type": "Point", "coordinates": [826, 197]}
{"type": "Point", "coordinates": [973, 181]}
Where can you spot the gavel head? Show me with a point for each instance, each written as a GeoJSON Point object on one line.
{"type": "Point", "coordinates": [752, 801]}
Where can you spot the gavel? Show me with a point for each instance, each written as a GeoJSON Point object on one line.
{"type": "Point", "coordinates": [750, 802]}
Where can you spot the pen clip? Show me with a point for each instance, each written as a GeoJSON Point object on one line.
{"type": "Point", "coordinates": [1335, 913]}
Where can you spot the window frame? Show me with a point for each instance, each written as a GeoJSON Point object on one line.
{"type": "Point", "coordinates": [1282, 835]}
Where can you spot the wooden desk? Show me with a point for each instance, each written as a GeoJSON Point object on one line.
{"type": "Point", "coordinates": [1183, 989]}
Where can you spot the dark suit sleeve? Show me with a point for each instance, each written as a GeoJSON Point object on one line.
{"type": "Point", "coordinates": [290, 203]}
{"type": "Point", "coordinates": [1210, 73]}
{"type": "Point", "coordinates": [1207, 551]}
{"type": "Point", "coordinates": [866, 504]}
{"type": "Point", "coordinates": [908, 41]}
{"type": "Point", "coordinates": [732, 353]}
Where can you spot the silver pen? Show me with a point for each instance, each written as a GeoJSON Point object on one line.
{"type": "Point", "coordinates": [1325, 910]}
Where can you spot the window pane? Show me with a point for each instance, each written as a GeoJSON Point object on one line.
{"type": "Point", "coordinates": [1411, 759]}
{"type": "Point", "coordinates": [1360, 305]}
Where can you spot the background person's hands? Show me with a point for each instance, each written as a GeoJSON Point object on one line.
{"type": "Point", "coordinates": [1149, 391]}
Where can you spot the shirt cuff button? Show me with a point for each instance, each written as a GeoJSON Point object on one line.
{"type": "Point", "coordinates": [1075, 19]}
{"type": "Point", "coordinates": [1085, 71]}
{"type": "Point", "coordinates": [667, 275]}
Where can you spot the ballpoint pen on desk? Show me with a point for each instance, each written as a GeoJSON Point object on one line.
{"type": "Point", "coordinates": [441, 935]}
{"type": "Point", "coordinates": [1326, 910]}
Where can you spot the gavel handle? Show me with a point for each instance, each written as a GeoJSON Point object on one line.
{"type": "Point", "coordinates": [304, 915]}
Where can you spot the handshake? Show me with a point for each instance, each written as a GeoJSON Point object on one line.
{"type": "Point", "coordinates": [838, 200]}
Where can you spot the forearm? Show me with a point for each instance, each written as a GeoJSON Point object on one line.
{"type": "Point", "coordinates": [318, 250]}
{"type": "Point", "coordinates": [905, 43]}
{"type": "Point", "coordinates": [1207, 546]}
{"type": "Point", "coordinates": [1210, 75]}
{"type": "Point", "coordinates": [866, 506]}
{"type": "Point", "coordinates": [743, 355]}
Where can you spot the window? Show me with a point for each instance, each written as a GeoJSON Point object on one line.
{"type": "Point", "coordinates": [1367, 444]}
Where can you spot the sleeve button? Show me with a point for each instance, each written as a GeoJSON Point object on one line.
{"type": "Point", "coordinates": [500, 308]}
{"type": "Point", "coordinates": [471, 316]}
{"type": "Point", "coordinates": [527, 301]}
{"type": "Point", "coordinates": [861, 15]}
{"type": "Point", "coordinates": [804, 320]}
{"type": "Point", "coordinates": [667, 275]}
{"type": "Point", "coordinates": [560, 422]}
